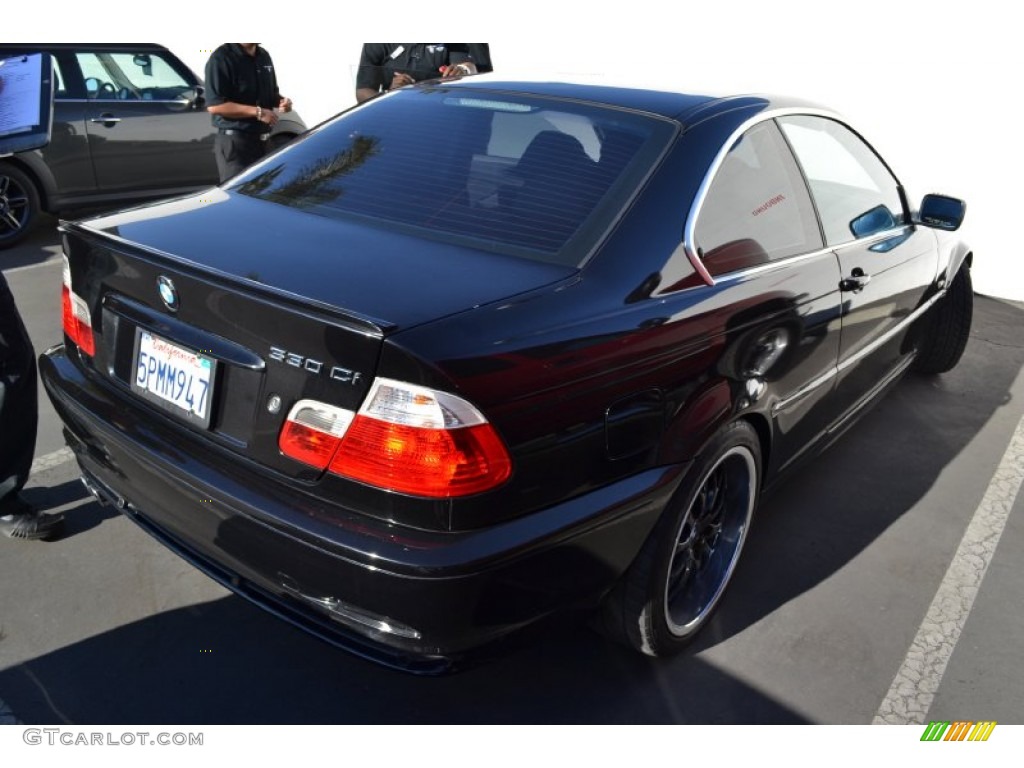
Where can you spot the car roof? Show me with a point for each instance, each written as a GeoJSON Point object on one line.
{"type": "Point", "coordinates": [682, 106]}
{"type": "Point", "coordinates": [82, 46]}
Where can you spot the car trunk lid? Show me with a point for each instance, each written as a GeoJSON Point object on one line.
{"type": "Point", "coordinates": [266, 322]}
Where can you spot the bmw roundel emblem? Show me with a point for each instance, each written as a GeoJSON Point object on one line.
{"type": "Point", "coordinates": [168, 293]}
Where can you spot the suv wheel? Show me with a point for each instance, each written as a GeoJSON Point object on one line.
{"type": "Point", "coordinates": [19, 204]}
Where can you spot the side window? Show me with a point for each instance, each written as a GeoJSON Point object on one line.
{"type": "Point", "coordinates": [60, 90]}
{"type": "Point", "coordinates": [855, 193]}
{"type": "Point", "coordinates": [131, 77]}
{"type": "Point", "coordinates": [757, 208]}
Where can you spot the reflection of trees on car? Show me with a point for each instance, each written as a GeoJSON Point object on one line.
{"type": "Point", "coordinates": [313, 184]}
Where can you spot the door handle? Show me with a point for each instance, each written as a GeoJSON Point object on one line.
{"type": "Point", "coordinates": [106, 118]}
{"type": "Point", "coordinates": [855, 282]}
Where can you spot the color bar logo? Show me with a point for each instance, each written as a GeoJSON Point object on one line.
{"type": "Point", "coordinates": [960, 730]}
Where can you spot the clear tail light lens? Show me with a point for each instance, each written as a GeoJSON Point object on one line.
{"type": "Point", "coordinates": [76, 318]}
{"type": "Point", "coordinates": [313, 431]}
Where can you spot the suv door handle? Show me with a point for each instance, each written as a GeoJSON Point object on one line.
{"type": "Point", "coordinates": [855, 282]}
{"type": "Point", "coordinates": [106, 118]}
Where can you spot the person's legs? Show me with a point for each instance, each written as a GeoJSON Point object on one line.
{"type": "Point", "coordinates": [19, 412]}
{"type": "Point", "coordinates": [237, 151]}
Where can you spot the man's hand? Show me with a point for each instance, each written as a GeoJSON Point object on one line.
{"type": "Point", "coordinates": [285, 104]}
{"type": "Point", "coordinates": [267, 116]}
{"type": "Point", "coordinates": [401, 79]}
{"type": "Point", "coordinates": [459, 70]}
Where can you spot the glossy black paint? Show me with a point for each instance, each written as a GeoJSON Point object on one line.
{"type": "Point", "coordinates": [604, 381]}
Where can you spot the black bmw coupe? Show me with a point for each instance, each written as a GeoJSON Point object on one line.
{"type": "Point", "coordinates": [482, 352]}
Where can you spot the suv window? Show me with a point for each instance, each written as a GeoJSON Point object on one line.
{"type": "Point", "coordinates": [131, 76]}
{"type": "Point", "coordinates": [757, 208]}
{"type": "Point", "coordinates": [855, 192]}
{"type": "Point", "coordinates": [535, 177]}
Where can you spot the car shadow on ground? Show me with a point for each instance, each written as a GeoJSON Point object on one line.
{"type": "Point", "coordinates": [38, 246]}
{"type": "Point", "coordinates": [225, 661]}
{"type": "Point", "coordinates": [829, 510]}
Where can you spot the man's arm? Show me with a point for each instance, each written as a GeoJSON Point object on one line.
{"type": "Point", "coordinates": [370, 76]}
{"type": "Point", "coordinates": [475, 56]}
{"type": "Point", "coordinates": [220, 89]}
{"type": "Point", "coordinates": [234, 111]}
{"type": "Point", "coordinates": [283, 102]}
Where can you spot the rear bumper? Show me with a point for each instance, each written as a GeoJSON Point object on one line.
{"type": "Point", "coordinates": [416, 600]}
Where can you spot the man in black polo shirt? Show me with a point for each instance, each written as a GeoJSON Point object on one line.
{"type": "Point", "coordinates": [242, 94]}
{"type": "Point", "coordinates": [384, 66]}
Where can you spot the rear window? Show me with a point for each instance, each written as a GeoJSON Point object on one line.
{"type": "Point", "coordinates": [533, 177]}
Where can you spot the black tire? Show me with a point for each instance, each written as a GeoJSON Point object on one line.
{"type": "Point", "coordinates": [948, 327]}
{"type": "Point", "coordinates": [19, 205]}
{"type": "Point", "coordinates": [672, 588]}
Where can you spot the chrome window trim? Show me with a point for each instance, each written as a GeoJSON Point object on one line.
{"type": "Point", "coordinates": [120, 101]}
{"type": "Point", "coordinates": [709, 177]}
{"type": "Point", "coordinates": [742, 274]}
{"type": "Point", "coordinates": [788, 261]}
{"type": "Point", "coordinates": [877, 237]}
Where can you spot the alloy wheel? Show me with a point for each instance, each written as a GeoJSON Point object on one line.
{"type": "Point", "coordinates": [709, 540]}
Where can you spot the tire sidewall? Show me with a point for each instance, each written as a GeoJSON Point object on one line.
{"type": "Point", "coordinates": [24, 181]}
{"type": "Point", "coordinates": [655, 629]}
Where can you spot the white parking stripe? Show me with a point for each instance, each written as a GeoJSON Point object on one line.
{"type": "Point", "coordinates": [917, 681]}
{"type": "Point", "coordinates": [49, 262]}
{"type": "Point", "coordinates": [51, 460]}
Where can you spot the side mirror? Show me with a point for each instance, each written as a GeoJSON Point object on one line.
{"type": "Point", "coordinates": [878, 219]}
{"type": "Point", "coordinates": [190, 98]}
{"type": "Point", "coordinates": [942, 212]}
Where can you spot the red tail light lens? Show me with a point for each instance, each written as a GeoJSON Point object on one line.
{"type": "Point", "coordinates": [76, 318]}
{"type": "Point", "coordinates": [422, 442]}
{"type": "Point", "coordinates": [439, 463]}
{"type": "Point", "coordinates": [405, 438]}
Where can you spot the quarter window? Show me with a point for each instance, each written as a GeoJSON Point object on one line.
{"type": "Point", "coordinates": [854, 191]}
{"type": "Point", "coordinates": [757, 208]}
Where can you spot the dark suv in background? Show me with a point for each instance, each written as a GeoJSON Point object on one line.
{"type": "Point", "coordinates": [130, 123]}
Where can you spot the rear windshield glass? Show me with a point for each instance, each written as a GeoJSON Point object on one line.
{"type": "Point", "coordinates": [533, 177]}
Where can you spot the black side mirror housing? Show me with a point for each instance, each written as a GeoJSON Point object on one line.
{"type": "Point", "coordinates": [942, 212]}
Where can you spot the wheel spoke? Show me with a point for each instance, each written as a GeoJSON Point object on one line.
{"type": "Point", "coordinates": [11, 221]}
{"type": "Point", "coordinates": [709, 541]}
{"type": "Point", "coordinates": [680, 572]}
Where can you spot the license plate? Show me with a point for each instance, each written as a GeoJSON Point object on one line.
{"type": "Point", "coordinates": [175, 378]}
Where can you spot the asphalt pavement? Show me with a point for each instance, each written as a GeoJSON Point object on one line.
{"type": "Point", "coordinates": [880, 583]}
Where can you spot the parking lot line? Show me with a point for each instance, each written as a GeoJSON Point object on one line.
{"type": "Point", "coordinates": [913, 689]}
{"type": "Point", "coordinates": [49, 262]}
{"type": "Point", "coordinates": [51, 460]}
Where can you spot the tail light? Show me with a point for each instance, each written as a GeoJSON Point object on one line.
{"type": "Point", "coordinates": [405, 438]}
{"type": "Point", "coordinates": [76, 317]}
{"type": "Point", "coordinates": [313, 431]}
